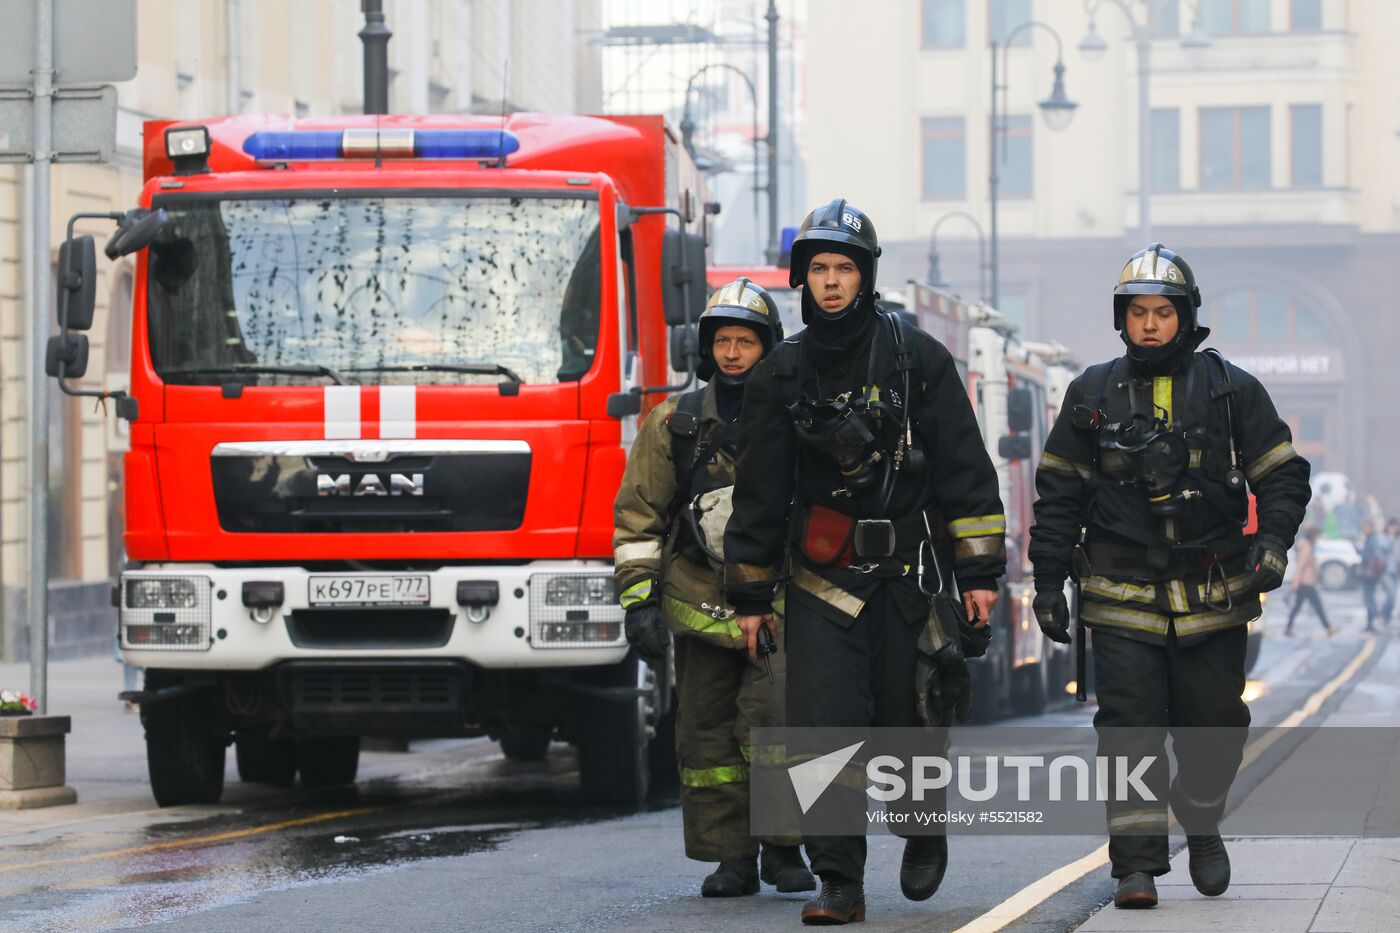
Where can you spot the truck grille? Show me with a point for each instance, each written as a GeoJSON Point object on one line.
{"type": "Point", "coordinates": [360, 690]}
{"type": "Point", "coordinates": [363, 629]}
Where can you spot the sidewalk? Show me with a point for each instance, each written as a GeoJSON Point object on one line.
{"type": "Point", "coordinates": [1299, 884]}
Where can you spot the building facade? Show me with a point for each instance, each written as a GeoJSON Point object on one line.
{"type": "Point", "coordinates": [211, 57]}
{"type": "Point", "coordinates": [1273, 171]}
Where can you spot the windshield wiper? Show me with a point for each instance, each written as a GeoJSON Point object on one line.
{"type": "Point", "coordinates": [309, 370]}
{"type": "Point", "coordinates": [474, 369]}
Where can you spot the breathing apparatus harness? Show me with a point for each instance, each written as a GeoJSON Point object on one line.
{"type": "Point", "coordinates": [1158, 457]}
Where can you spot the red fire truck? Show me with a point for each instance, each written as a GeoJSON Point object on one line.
{"type": "Point", "coordinates": [1016, 388]}
{"type": "Point", "coordinates": [385, 371]}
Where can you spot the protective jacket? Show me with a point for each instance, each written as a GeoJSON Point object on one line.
{"type": "Point", "coordinates": [1147, 567]}
{"type": "Point", "coordinates": [791, 492]}
{"type": "Point", "coordinates": [655, 554]}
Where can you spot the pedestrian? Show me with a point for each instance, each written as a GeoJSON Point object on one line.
{"type": "Point", "coordinates": [1305, 582]}
{"type": "Point", "coordinates": [1153, 453]}
{"type": "Point", "coordinates": [1391, 580]}
{"type": "Point", "coordinates": [859, 452]}
{"type": "Point", "coordinates": [1374, 548]}
{"type": "Point", "coordinates": [668, 575]}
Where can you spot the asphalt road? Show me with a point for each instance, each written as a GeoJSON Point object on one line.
{"type": "Point", "coordinates": [450, 836]}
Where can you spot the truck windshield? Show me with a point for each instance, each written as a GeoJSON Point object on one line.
{"type": "Point", "coordinates": [383, 290]}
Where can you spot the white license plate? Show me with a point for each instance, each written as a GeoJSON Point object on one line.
{"type": "Point", "coordinates": [398, 589]}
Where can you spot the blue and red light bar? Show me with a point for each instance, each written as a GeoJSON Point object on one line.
{"type": "Point", "coordinates": [317, 145]}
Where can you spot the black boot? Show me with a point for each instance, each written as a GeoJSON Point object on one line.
{"type": "Point", "coordinates": [1135, 891]}
{"type": "Point", "coordinates": [733, 878]}
{"type": "Point", "coordinates": [921, 871]}
{"type": "Point", "coordinates": [840, 901]}
{"type": "Point", "coordinates": [1210, 865]}
{"type": "Point", "coordinates": [782, 867]}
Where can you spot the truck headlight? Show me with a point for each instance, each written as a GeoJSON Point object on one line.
{"type": "Point", "coordinates": [170, 613]}
{"type": "Point", "coordinates": [162, 593]}
{"type": "Point", "coordinates": [574, 610]}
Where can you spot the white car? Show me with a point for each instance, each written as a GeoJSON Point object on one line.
{"type": "Point", "coordinates": [1337, 563]}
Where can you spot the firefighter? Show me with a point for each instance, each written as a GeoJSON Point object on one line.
{"type": "Point", "coordinates": [859, 452]}
{"type": "Point", "coordinates": [669, 519]}
{"type": "Point", "coordinates": [1152, 457]}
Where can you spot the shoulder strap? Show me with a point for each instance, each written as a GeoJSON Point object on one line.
{"type": "Point", "coordinates": [684, 425]}
{"type": "Point", "coordinates": [1224, 388]}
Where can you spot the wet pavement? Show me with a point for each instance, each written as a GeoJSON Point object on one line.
{"type": "Point", "coordinates": [451, 836]}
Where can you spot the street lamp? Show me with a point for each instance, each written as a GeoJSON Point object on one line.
{"type": "Point", "coordinates": [1093, 46]}
{"type": "Point", "coordinates": [935, 275]}
{"type": "Point", "coordinates": [688, 132]}
{"type": "Point", "coordinates": [1057, 110]}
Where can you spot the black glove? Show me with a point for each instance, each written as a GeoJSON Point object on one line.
{"type": "Point", "coordinates": [1266, 559]}
{"type": "Point", "coordinates": [1052, 612]}
{"type": "Point", "coordinates": [943, 687]}
{"type": "Point", "coordinates": [647, 632]}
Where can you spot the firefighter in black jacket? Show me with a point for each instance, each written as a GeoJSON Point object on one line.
{"type": "Point", "coordinates": [1152, 457]}
{"type": "Point", "coordinates": [859, 448]}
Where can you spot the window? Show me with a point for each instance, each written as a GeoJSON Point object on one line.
{"type": "Point", "coordinates": [1312, 427]}
{"type": "Point", "coordinates": [1014, 171]}
{"type": "Point", "coordinates": [1234, 148]}
{"type": "Point", "coordinates": [1234, 17]}
{"type": "Point", "coordinates": [1166, 19]}
{"type": "Point", "coordinates": [1004, 16]}
{"type": "Point", "coordinates": [1244, 317]}
{"type": "Point", "coordinates": [1305, 130]}
{"type": "Point", "coordinates": [944, 23]}
{"type": "Point", "coordinates": [1166, 149]}
{"type": "Point", "coordinates": [945, 157]}
{"type": "Point", "coordinates": [1305, 16]}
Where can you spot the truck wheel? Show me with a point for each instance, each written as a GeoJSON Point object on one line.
{"type": "Point", "coordinates": [1028, 689]}
{"type": "Point", "coordinates": [184, 752]}
{"type": "Point", "coordinates": [1334, 576]}
{"type": "Point", "coordinates": [329, 761]}
{"type": "Point", "coordinates": [262, 760]}
{"type": "Point", "coordinates": [525, 742]}
{"type": "Point", "coordinates": [662, 759]}
{"type": "Point", "coordinates": [612, 740]}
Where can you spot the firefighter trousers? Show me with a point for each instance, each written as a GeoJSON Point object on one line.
{"type": "Point", "coordinates": [861, 672]}
{"type": "Point", "coordinates": [722, 694]}
{"type": "Point", "coordinates": [1145, 692]}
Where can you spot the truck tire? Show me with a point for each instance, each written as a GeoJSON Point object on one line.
{"type": "Point", "coordinates": [612, 738]}
{"type": "Point", "coordinates": [1028, 694]}
{"type": "Point", "coordinates": [262, 760]}
{"type": "Point", "coordinates": [184, 750]}
{"type": "Point", "coordinates": [661, 754]}
{"type": "Point", "coordinates": [525, 742]}
{"type": "Point", "coordinates": [328, 761]}
{"type": "Point", "coordinates": [1334, 575]}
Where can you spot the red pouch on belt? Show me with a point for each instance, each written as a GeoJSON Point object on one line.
{"type": "Point", "coordinates": [827, 537]}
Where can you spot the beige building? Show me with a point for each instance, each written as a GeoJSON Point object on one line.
{"type": "Point", "coordinates": [1275, 172]}
{"type": "Point", "coordinates": [212, 57]}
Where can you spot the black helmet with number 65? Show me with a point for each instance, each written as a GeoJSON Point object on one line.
{"type": "Point", "coordinates": [836, 227]}
{"type": "Point", "coordinates": [740, 302]}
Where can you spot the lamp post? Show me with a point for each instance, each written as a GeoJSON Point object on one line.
{"type": "Point", "coordinates": [688, 134]}
{"type": "Point", "coordinates": [1093, 46]}
{"type": "Point", "coordinates": [1057, 109]}
{"type": "Point", "coordinates": [935, 276]}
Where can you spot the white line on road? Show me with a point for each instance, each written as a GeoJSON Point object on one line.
{"type": "Point", "coordinates": [1033, 895]}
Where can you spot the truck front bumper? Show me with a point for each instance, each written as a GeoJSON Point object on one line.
{"type": "Point", "coordinates": [544, 614]}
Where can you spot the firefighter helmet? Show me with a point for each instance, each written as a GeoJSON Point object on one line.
{"type": "Point", "coordinates": [1157, 270]}
{"type": "Point", "coordinates": [838, 224]}
{"type": "Point", "coordinates": [739, 302]}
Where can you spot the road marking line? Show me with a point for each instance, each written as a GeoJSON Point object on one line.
{"type": "Point", "coordinates": [192, 840]}
{"type": "Point", "coordinates": [1033, 895]}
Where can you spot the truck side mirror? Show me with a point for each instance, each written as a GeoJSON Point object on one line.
{"type": "Point", "coordinates": [622, 404]}
{"type": "Point", "coordinates": [684, 342]}
{"type": "Point", "coordinates": [69, 351]}
{"type": "Point", "coordinates": [683, 290]}
{"type": "Point", "coordinates": [77, 283]}
{"type": "Point", "coordinates": [1014, 447]}
{"type": "Point", "coordinates": [135, 231]}
{"type": "Point", "coordinates": [1020, 415]}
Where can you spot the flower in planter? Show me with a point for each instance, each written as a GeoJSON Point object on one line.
{"type": "Point", "coordinates": [16, 704]}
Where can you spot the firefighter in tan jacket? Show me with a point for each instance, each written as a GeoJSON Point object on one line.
{"type": "Point", "coordinates": [670, 516]}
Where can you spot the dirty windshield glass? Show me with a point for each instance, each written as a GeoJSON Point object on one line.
{"type": "Point", "coordinates": [375, 290]}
